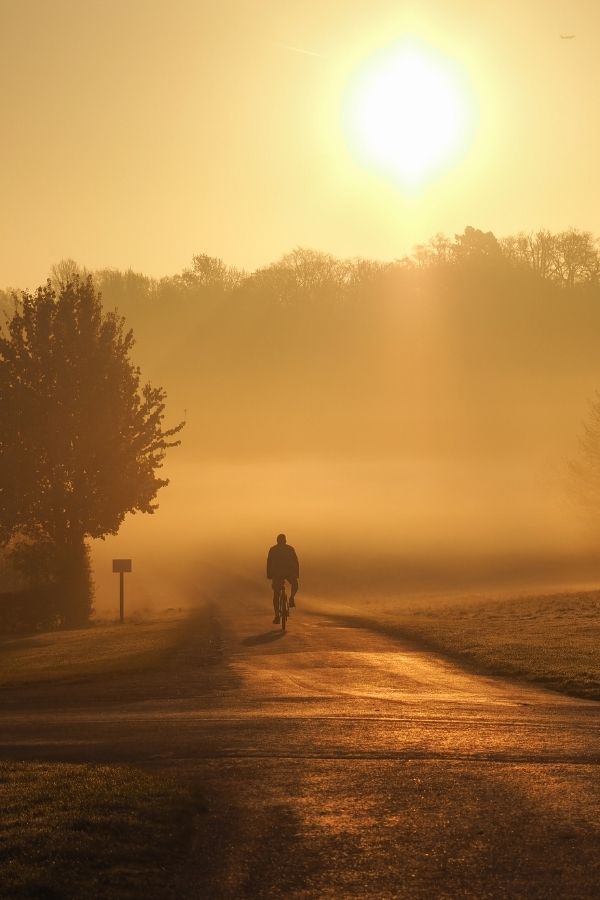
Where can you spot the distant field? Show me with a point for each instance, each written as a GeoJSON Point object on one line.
{"type": "Point", "coordinates": [75, 831]}
{"type": "Point", "coordinates": [551, 639]}
{"type": "Point", "coordinates": [101, 648]}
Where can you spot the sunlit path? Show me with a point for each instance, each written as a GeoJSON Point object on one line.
{"type": "Point", "coordinates": [364, 760]}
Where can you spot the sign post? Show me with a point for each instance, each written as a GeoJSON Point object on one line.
{"type": "Point", "coordinates": [121, 566]}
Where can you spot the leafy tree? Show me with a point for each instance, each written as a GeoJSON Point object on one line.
{"type": "Point", "coordinates": [6, 304]}
{"type": "Point", "coordinates": [476, 244]}
{"type": "Point", "coordinates": [81, 440]}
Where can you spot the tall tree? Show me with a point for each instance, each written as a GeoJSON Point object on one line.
{"type": "Point", "coordinates": [304, 274]}
{"type": "Point", "coordinates": [474, 244]}
{"type": "Point", "coordinates": [81, 439]}
{"type": "Point", "coordinates": [211, 272]}
{"type": "Point", "coordinates": [66, 270]}
{"type": "Point", "coordinates": [575, 259]}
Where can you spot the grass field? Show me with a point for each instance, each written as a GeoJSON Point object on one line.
{"type": "Point", "coordinates": [82, 831]}
{"type": "Point", "coordinates": [551, 639]}
{"type": "Point", "coordinates": [56, 656]}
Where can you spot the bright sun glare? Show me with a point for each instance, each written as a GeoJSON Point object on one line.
{"type": "Point", "coordinates": [409, 113]}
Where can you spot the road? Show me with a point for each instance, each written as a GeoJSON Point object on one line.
{"type": "Point", "coordinates": [337, 762]}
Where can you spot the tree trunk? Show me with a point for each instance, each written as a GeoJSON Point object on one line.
{"type": "Point", "coordinates": [74, 583]}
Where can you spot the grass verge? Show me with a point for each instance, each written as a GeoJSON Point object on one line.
{"type": "Point", "coordinates": [81, 831]}
{"type": "Point", "coordinates": [99, 649]}
{"type": "Point", "coordinates": [550, 639]}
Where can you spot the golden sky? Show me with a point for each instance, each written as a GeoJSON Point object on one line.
{"type": "Point", "coordinates": [138, 132]}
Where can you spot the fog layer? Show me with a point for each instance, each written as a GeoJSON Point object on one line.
{"type": "Point", "coordinates": [408, 424]}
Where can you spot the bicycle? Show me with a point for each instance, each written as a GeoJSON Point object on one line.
{"type": "Point", "coordinates": [283, 606]}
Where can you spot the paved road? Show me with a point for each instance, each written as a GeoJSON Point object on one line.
{"type": "Point", "coordinates": [336, 762]}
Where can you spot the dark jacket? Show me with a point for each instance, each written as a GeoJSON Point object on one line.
{"type": "Point", "coordinates": [282, 562]}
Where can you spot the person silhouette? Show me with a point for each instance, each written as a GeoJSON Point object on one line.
{"type": "Point", "coordinates": [282, 565]}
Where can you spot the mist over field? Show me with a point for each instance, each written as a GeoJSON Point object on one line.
{"type": "Point", "coordinates": [408, 425]}
{"type": "Point", "coordinates": [371, 526]}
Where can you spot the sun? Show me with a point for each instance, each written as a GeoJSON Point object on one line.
{"type": "Point", "coordinates": [409, 113]}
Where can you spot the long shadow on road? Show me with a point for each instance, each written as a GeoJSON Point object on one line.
{"type": "Point", "coordinates": [268, 637]}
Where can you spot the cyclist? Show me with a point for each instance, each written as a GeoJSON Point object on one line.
{"type": "Point", "coordinates": [282, 565]}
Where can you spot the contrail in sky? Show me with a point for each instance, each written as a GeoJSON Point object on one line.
{"type": "Point", "coordinates": [299, 50]}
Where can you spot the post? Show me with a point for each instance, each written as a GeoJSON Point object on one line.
{"type": "Point", "coordinates": [121, 566]}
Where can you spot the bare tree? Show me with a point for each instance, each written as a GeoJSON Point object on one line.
{"type": "Point", "coordinates": [575, 258]}
{"type": "Point", "coordinates": [305, 273]}
{"type": "Point", "coordinates": [64, 271]}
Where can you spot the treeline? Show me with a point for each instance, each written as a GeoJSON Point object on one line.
{"type": "Point", "coordinates": [567, 259]}
{"type": "Point", "coordinates": [469, 342]}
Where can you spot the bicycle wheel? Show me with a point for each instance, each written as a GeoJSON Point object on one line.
{"type": "Point", "coordinates": [283, 608]}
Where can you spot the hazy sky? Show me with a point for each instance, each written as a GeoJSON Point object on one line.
{"type": "Point", "coordinates": [138, 132]}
